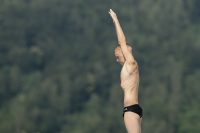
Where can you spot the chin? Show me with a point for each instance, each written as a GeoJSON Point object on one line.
{"type": "Point", "coordinates": [121, 63]}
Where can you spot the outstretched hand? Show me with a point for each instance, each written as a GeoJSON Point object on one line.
{"type": "Point", "coordinates": [113, 15]}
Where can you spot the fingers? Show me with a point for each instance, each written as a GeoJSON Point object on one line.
{"type": "Point", "coordinates": [111, 11]}
{"type": "Point", "coordinates": [112, 14]}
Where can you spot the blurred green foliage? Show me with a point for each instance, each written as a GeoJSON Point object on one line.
{"type": "Point", "coordinates": [58, 72]}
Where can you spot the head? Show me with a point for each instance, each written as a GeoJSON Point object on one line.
{"type": "Point", "coordinates": [119, 55]}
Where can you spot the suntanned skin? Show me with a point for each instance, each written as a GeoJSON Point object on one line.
{"type": "Point", "coordinates": [129, 77]}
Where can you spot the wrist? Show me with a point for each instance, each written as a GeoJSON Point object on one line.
{"type": "Point", "coordinates": [115, 20]}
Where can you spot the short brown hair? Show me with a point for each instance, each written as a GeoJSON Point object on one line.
{"type": "Point", "coordinates": [119, 47]}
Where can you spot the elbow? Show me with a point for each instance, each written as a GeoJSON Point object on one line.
{"type": "Point", "coordinates": [122, 40]}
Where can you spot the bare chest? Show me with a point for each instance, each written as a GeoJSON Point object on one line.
{"type": "Point", "coordinates": [129, 79]}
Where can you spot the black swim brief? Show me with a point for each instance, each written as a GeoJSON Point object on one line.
{"type": "Point", "coordinates": [134, 108]}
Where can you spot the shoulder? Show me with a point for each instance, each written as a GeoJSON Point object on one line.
{"type": "Point", "coordinates": [131, 66]}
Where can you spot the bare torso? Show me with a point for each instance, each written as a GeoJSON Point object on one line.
{"type": "Point", "coordinates": [129, 79]}
{"type": "Point", "coordinates": [130, 82]}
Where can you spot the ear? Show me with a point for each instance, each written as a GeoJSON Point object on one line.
{"type": "Point", "coordinates": [118, 48]}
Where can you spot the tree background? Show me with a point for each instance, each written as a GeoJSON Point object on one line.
{"type": "Point", "coordinates": [58, 72]}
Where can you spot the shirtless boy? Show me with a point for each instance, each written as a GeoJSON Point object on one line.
{"type": "Point", "coordinates": [129, 80]}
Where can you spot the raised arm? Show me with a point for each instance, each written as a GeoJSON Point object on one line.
{"type": "Point", "coordinates": [121, 37]}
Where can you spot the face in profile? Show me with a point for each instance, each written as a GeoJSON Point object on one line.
{"type": "Point", "coordinates": [119, 55]}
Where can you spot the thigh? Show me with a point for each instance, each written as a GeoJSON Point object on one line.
{"type": "Point", "coordinates": [132, 122]}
